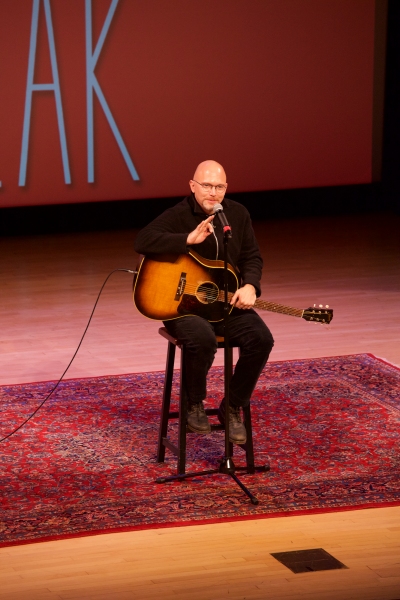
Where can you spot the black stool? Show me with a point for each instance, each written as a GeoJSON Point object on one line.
{"type": "Point", "coordinates": [180, 449]}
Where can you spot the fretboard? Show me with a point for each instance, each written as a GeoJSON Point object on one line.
{"type": "Point", "coordinates": [271, 306]}
{"type": "Point", "coordinates": [279, 308]}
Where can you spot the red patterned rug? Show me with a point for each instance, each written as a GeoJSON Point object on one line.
{"type": "Point", "coordinates": [86, 464]}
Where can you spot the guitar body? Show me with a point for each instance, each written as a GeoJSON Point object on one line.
{"type": "Point", "coordinates": [173, 286]}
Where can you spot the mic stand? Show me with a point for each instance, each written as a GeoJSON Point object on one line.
{"type": "Point", "coordinates": [227, 466]}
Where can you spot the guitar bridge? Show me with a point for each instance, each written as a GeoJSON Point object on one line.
{"type": "Point", "coordinates": [181, 287]}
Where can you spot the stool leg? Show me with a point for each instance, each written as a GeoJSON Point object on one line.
{"type": "Point", "coordinates": [169, 373]}
{"type": "Point", "coordinates": [230, 368]}
{"type": "Point", "coordinates": [249, 443]}
{"type": "Point", "coordinates": [183, 402]}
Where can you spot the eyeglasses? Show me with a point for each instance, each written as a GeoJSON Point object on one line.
{"type": "Point", "coordinates": [207, 187]}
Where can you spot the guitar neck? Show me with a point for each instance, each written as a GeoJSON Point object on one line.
{"type": "Point", "coordinates": [270, 306]}
{"type": "Point", "coordinates": [279, 308]}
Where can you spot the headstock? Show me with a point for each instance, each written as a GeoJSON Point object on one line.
{"type": "Point", "coordinates": [318, 314]}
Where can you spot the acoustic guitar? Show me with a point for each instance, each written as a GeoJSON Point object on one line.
{"type": "Point", "coordinates": [177, 285]}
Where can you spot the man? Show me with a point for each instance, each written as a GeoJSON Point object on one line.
{"type": "Point", "coordinates": [192, 224]}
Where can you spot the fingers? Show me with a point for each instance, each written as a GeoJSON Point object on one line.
{"type": "Point", "coordinates": [240, 303]}
{"type": "Point", "coordinates": [202, 230]}
{"type": "Point", "coordinates": [235, 297]}
{"type": "Point", "coordinates": [243, 306]}
{"type": "Point", "coordinates": [207, 224]}
{"type": "Point", "coordinates": [244, 297]}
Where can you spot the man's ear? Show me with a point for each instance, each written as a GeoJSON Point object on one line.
{"type": "Point", "coordinates": [191, 184]}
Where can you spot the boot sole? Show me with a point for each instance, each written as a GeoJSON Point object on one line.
{"type": "Point", "coordinates": [222, 421]}
{"type": "Point", "coordinates": [193, 430]}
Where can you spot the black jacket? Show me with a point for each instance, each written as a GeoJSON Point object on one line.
{"type": "Point", "coordinates": [167, 234]}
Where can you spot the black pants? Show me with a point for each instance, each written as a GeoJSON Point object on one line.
{"type": "Point", "coordinates": [246, 329]}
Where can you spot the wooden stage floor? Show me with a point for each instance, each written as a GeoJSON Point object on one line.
{"type": "Point", "coordinates": [48, 285]}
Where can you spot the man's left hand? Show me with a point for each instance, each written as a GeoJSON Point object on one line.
{"type": "Point", "coordinates": [244, 297]}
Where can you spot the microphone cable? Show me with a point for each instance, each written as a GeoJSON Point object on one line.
{"type": "Point", "coordinates": [72, 359]}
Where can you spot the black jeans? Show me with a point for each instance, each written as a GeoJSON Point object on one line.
{"type": "Point", "coordinates": [246, 329]}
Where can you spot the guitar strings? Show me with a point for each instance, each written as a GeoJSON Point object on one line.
{"type": "Point", "coordinates": [211, 294]}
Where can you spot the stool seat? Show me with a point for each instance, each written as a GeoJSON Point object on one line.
{"type": "Point", "coordinates": [179, 449]}
{"type": "Point", "coordinates": [163, 331]}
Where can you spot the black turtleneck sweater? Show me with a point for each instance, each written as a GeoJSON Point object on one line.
{"type": "Point", "coordinates": [167, 234]}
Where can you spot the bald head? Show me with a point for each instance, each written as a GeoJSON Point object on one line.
{"type": "Point", "coordinates": [212, 173]}
{"type": "Point", "coordinates": [208, 169]}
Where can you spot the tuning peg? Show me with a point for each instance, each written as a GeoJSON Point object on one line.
{"type": "Point", "coordinates": [321, 306]}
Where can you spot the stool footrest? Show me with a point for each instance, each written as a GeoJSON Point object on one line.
{"type": "Point", "coordinates": [211, 411]}
{"type": "Point", "coordinates": [174, 414]}
{"type": "Point", "coordinates": [170, 446]}
{"type": "Point", "coordinates": [217, 427]}
{"type": "Point", "coordinates": [214, 427]}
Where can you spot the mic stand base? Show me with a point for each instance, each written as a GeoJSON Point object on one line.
{"type": "Point", "coordinates": [226, 467]}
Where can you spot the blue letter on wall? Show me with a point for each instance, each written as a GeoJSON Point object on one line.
{"type": "Point", "coordinates": [93, 84]}
{"type": "Point", "coordinates": [36, 87]}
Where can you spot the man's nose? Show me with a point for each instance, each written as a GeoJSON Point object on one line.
{"type": "Point", "coordinates": [213, 190]}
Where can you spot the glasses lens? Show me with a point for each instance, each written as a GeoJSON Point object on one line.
{"type": "Point", "coordinates": [208, 187]}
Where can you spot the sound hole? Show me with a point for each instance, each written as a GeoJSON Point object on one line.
{"type": "Point", "coordinates": [207, 292]}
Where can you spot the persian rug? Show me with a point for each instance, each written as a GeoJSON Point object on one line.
{"type": "Point", "coordinates": [86, 463]}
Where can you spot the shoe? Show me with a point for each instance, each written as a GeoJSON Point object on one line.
{"type": "Point", "coordinates": [197, 419]}
{"type": "Point", "coordinates": [237, 430]}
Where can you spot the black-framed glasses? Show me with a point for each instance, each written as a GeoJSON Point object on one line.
{"type": "Point", "coordinates": [207, 187]}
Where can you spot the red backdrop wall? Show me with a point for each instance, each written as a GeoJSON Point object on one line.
{"type": "Point", "coordinates": [279, 91]}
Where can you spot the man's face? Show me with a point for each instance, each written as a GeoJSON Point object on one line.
{"type": "Point", "coordinates": [214, 178]}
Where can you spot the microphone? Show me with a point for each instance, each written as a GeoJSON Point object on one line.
{"type": "Point", "coordinates": [219, 211]}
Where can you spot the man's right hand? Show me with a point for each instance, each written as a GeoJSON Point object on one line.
{"type": "Point", "coordinates": [202, 231]}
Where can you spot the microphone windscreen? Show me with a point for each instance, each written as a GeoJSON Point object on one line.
{"type": "Point", "coordinates": [217, 208]}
